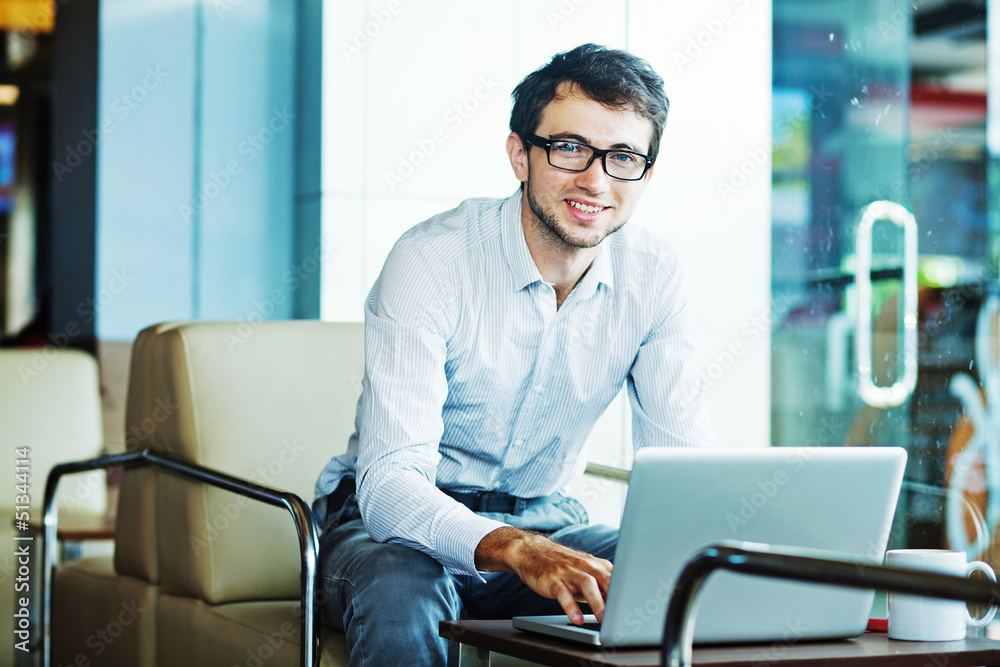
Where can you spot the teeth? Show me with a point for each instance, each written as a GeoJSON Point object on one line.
{"type": "Point", "coordinates": [585, 208]}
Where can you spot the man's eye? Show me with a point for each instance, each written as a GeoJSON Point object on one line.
{"type": "Point", "coordinates": [624, 158]}
{"type": "Point", "coordinates": [565, 147]}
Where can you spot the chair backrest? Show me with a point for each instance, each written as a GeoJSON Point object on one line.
{"type": "Point", "coordinates": [50, 402]}
{"type": "Point", "coordinates": [267, 401]}
{"type": "Point", "coordinates": [135, 530]}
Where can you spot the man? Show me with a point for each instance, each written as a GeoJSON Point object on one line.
{"type": "Point", "coordinates": [496, 335]}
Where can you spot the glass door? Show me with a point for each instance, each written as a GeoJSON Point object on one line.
{"type": "Point", "coordinates": [888, 326]}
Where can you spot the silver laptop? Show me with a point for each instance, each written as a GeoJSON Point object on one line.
{"type": "Point", "coordinates": [838, 499]}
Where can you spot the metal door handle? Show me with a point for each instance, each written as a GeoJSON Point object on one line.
{"type": "Point", "coordinates": [896, 394]}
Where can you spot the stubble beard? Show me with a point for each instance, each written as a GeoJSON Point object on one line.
{"type": "Point", "coordinates": [554, 230]}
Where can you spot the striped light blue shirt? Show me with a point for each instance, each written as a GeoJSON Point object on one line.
{"type": "Point", "coordinates": [474, 380]}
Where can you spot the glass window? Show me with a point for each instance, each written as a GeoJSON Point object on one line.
{"type": "Point", "coordinates": [873, 101]}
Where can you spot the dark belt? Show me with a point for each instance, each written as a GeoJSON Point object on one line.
{"type": "Point", "coordinates": [335, 501]}
{"type": "Point", "coordinates": [477, 501]}
{"type": "Point", "coordinates": [497, 501]}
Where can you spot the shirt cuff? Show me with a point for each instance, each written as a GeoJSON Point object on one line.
{"type": "Point", "coordinates": [456, 545]}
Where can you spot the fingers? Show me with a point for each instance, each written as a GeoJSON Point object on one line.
{"type": "Point", "coordinates": [603, 575]}
{"type": "Point", "coordinates": [566, 601]}
{"type": "Point", "coordinates": [566, 575]}
{"type": "Point", "coordinates": [592, 594]}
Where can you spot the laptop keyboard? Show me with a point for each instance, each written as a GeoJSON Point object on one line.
{"type": "Point", "coordinates": [591, 626]}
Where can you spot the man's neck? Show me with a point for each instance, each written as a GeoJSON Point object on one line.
{"type": "Point", "coordinates": [561, 265]}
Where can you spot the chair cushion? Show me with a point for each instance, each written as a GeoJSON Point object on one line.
{"type": "Point", "coordinates": [243, 633]}
{"type": "Point", "coordinates": [106, 618]}
{"type": "Point", "coordinates": [270, 402]}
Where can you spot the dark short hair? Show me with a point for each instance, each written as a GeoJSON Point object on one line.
{"type": "Point", "coordinates": [616, 79]}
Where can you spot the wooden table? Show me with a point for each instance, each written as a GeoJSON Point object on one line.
{"type": "Point", "coordinates": [80, 528]}
{"type": "Point", "coordinates": [73, 530]}
{"type": "Point", "coordinates": [473, 642]}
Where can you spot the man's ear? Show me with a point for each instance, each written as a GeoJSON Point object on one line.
{"type": "Point", "coordinates": [518, 156]}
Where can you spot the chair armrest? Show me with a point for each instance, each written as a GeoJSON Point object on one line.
{"type": "Point", "coordinates": [305, 524]}
{"type": "Point", "coordinates": [797, 565]}
{"type": "Point", "coordinates": [607, 472]}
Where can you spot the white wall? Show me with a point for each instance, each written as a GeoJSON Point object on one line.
{"type": "Point", "coordinates": [396, 150]}
{"type": "Point", "coordinates": [416, 105]}
{"type": "Point", "coordinates": [711, 193]}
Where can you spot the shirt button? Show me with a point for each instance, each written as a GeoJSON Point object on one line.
{"type": "Point", "coordinates": [538, 388]}
{"type": "Point", "coordinates": [518, 443]}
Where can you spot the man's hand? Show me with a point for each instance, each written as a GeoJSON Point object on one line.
{"type": "Point", "coordinates": [548, 568]}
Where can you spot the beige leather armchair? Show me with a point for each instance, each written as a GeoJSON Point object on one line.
{"type": "Point", "coordinates": [202, 575]}
{"type": "Point", "coordinates": [50, 405]}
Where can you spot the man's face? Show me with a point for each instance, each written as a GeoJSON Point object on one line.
{"type": "Point", "coordinates": [580, 209]}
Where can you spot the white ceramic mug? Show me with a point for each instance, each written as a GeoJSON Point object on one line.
{"type": "Point", "coordinates": [916, 618]}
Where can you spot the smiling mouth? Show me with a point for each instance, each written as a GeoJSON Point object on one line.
{"type": "Point", "coordinates": [586, 208]}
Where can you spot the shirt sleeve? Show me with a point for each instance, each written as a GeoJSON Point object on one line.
{"type": "Point", "coordinates": [664, 385]}
{"type": "Point", "coordinates": [409, 315]}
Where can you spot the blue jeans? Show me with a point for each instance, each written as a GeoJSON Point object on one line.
{"type": "Point", "coordinates": [389, 598]}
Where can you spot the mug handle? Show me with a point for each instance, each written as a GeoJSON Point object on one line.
{"type": "Point", "coordinates": [988, 571]}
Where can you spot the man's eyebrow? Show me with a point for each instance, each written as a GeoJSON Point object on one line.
{"type": "Point", "coordinates": [572, 137]}
{"type": "Point", "coordinates": [584, 140]}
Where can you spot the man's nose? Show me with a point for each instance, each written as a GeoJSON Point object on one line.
{"type": "Point", "coordinates": [594, 179]}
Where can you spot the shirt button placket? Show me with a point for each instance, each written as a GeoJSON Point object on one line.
{"type": "Point", "coordinates": [528, 417]}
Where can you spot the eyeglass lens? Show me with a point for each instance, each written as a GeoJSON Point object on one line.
{"type": "Point", "coordinates": [575, 157]}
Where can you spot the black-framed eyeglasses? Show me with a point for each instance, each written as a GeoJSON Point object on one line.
{"type": "Point", "coordinates": [575, 156]}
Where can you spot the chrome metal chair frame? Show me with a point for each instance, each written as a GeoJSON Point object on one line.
{"type": "Point", "coordinates": [798, 565]}
{"type": "Point", "coordinates": [305, 524]}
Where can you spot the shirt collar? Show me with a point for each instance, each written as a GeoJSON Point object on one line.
{"type": "Point", "coordinates": [600, 271]}
{"type": "Point", "coordinates": [523, 271]}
